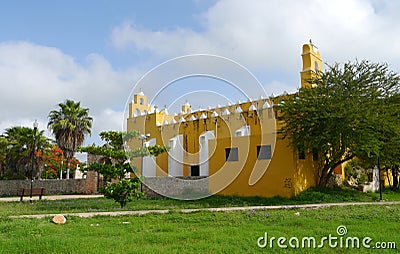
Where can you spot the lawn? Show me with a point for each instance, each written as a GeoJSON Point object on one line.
{"type": "Point", "coordinates": [310, 196]}
{"type": "Point", "coordinates": [202, 232]}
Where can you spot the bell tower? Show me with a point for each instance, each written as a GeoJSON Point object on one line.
{"type": "Point", "coordinates": [312, 64]}
{"type": "Point", "coordinates": [139, 105]}
{"type": "Point", "coordinates": [186, 108]}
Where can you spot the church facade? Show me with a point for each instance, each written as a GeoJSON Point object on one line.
{"type": "Point", "coordinates": [236, 147]}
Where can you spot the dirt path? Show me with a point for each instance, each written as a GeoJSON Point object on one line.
{"type": "Point", "coordinates": [220, 209]}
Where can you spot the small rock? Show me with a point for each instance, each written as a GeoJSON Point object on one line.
{"type": "Point", "coordinates": [59, 219]}
{"type": "Point", "coordinates": [297, 214]}
{"type": "Point", "coordinates": [267, 215]}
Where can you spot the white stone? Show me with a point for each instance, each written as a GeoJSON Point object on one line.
{"type": "Point", "coordinates": [266, 105]}
{"type": "Point", "coordinates": [225, 112]}
{"type": "Point", "coordinates": [59, 219]}
{"type": "Point", "coordinates": [238, 110]}
{"type": "Point", "coordinates": [252, 107]}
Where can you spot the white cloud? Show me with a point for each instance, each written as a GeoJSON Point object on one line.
{"type": "Point", "coordinates": [163, 43]}
{"type": "Point", "coordinates": [275, 88]}
{"type": "Point", "coordinates": [267, 35]}
{"type": "Point", "coordinates": [35, 78]}
{"type": "Point", "coordinates": [108, 119]}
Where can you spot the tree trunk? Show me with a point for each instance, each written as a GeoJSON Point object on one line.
{"type": "Point", "coordinates": [324, 178]}
{"type": "Point", "coordinates": [328, 169]}
{"type": "Point", "coordinates": [67, 167]}
{"type": "Point", "coordinates": [395, 175]}
{"type": "Point", "coordinates": [395, 183]}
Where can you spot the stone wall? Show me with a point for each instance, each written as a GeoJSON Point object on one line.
{"type": "Point", "coordinates": [191, 188]}
{"type": "Point", "coordinates": [53, 186]}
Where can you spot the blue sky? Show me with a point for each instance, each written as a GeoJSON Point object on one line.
{"type": "Point", "coordinates": [79, 28]}
{"type": "Point", "coordinates": [95, 51]}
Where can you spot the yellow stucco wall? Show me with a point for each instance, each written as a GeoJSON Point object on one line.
{"type": "Point", "coordinates": [283, 175]}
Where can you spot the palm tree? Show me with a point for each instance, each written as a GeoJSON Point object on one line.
{"type": "Point", "coordinates": [17, 143]}
{"type": "Point", "coordinates": [3, 155]}
{"type": "Point", "coordinates": [69, 125]}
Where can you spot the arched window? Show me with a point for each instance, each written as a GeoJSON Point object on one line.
{"type": "Point", "coordinates": [141, 101]}
{"type": "Point", "coordinates": [137, 112]}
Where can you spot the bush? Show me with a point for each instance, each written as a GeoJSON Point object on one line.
{"type": "Point", "coordinates": [123, 191]}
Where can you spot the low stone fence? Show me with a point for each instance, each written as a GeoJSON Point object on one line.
{"type": "Point", "coordinates": [176, 187]}
{"type": "Point", "coordinates": [53, 186]}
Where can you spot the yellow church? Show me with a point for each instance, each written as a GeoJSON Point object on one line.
{"type": "Point", "coordinates": [235, 148]}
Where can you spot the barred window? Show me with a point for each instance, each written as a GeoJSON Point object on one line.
{"type": "Point", "coordinates": [232, 154]}
{"type": "Point", "coordinates": [264, 152]}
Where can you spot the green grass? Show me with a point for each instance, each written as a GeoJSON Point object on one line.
{"type": "Point", "coordinates": [199, 232]}
{"type": "Point", "coordinates": [101, 204]}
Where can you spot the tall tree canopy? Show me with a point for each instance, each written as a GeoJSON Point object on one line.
{"type": "Point", "coordinates": [343, 116]}
{"type": "Point", "coordinates": [390, 137]}
{"type": "Point", "coordinates": [69, 124]}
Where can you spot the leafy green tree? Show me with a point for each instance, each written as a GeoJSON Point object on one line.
{"type": "Point", "coordinates": [390, 137]}
{"type": "Point", "coordinates": [342, 116]}
{"type": "Point", "coordinates": [115, 165]}
{"type": "Point", "coordinates": [17, 147]}
{"type": "Point", "coordinates": [69, 125]}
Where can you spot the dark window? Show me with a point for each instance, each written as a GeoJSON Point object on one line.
{"type": "Point", "coordinates": [137, 112]}
{"type": "Point", "coordinates": [141, 101]}
{"type": "Point", "coordinates": [302, 153]}
{"type": "Point", "coordinates": [264, 152]}
{"type": "Point", "coordinates": [231, 154]}
{"type": "Point", "coordinates": [195, 170]}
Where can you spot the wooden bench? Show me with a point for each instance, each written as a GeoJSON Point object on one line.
{"type": "Point", "coordinates": [27, 192]}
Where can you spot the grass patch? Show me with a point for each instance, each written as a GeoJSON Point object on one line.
{"type": "Point", "coordinates": [310, 196]}
{"type": "Point", "coordinates": [199, 232]}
